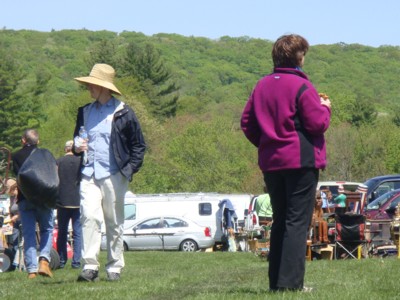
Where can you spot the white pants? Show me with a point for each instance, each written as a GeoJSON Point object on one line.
{"type": "Point", "coordinates": [103, 200]}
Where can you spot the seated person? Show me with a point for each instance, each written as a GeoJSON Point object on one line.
{"type": "Point", "coordinates": [319, 225]}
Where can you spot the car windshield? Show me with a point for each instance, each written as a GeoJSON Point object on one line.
{"type": "Point", "coordinates": [378, 202]}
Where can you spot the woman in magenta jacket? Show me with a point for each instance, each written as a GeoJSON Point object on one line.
{"type": "Point", "coordinates": [285, 118]}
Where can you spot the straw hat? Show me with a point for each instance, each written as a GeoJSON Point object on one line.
{"type": "Point", "coordinates": [102, 75]}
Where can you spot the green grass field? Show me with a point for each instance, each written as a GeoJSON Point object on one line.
{"type": "Point", "coordinates": [214, 275]}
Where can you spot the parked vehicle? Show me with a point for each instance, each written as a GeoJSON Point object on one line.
{"type": "Point", "coordinates": [166, 233]}
{"type": "Point", "coordinates": [377, 186]}
{"type": "Point", "coordinates": [379, 214]}
{"type": "Point", "coordinates": [383, 207]}
{"type": "Point", "coordinates": [202, 208]}
{"type": "Point", "coordinates": [252, 223]}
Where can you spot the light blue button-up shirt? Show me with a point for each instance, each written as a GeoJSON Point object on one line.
{"type": "Point", "coordinates": [101, 160]}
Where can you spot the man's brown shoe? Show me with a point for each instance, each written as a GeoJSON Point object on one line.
{"type": "Point", "coordinates": [32, 275]}
{"type": "Point", "coordinates": [44, 268]}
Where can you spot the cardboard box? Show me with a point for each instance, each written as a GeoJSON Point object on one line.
{"type": "Point", "coordinates": [327, 252]}
{"type": "Point", "coordinates": [253, 245]}
{"type": "Point", "coordinates": [263, 245]}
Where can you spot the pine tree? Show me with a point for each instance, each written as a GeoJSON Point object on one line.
{"type": "Point", "coordinates": [102, 52]}
{"type": "Point", "coordinates": [147, 65]}
{"type": "Point", "coordinates": [20, 103]}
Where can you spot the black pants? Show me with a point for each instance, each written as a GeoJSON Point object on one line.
{"type": "Point", "coordinates": [292, 194]}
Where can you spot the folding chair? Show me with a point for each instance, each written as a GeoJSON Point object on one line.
{"type": "Point", "coordinates": [349, 235]}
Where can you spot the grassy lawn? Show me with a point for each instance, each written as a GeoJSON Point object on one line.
{"type": "Point", "coordinates": [216, 275]}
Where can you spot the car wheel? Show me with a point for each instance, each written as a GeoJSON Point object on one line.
{"type": "Point", "coordinates": [125, 247]}
{"type": "Point", "coordinates": [188, 246]}
{"type": "Point", "coordinates": [54, 259]}
{"type": "Point", "coordinates": [5, 262]}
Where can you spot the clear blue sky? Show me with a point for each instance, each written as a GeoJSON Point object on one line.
{"type": "Point", "coordinates": [366, 22]}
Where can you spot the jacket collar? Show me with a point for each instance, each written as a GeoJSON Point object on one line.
{"type": "Point", "coordinates": [291, 71]}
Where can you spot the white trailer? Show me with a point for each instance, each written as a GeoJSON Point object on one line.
{"type": "Point", "coordinates": [202, 208]}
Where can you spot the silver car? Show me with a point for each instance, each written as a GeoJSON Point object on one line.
{"type": "Point", "coordinates": [166, 233]}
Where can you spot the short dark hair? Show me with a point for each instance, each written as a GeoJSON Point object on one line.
{"type": "Point", "coordinates": [288, 51]}
{"type": "Point", "coordinates": [31, 136]}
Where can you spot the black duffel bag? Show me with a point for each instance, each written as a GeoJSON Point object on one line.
{"type": "Point", "coordinates": [38, 178]}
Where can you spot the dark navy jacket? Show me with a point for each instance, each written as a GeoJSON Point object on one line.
{"type": "Point", "coordinates": [127, 139]}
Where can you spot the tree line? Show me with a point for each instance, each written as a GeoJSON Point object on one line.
{"type": "Point", "coordinates": [189, 92]}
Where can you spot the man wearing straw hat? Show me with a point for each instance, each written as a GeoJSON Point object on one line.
{"type": "Point", "coordinates": [114, 151]}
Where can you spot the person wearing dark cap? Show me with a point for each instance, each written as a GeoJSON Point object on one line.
{"type": "Point", "coordinates": [114, 149]}
{"type": "Point", "coordinates": [68, 206]}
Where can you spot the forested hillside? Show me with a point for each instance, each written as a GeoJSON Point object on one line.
{"type": "Point", "coordinates": [189, 92]}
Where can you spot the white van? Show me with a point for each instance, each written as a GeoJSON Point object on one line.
{"type": "Point", "coordinates": [202, 208]}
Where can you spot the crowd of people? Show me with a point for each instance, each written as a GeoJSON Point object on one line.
{"type": "Point", "coordinates": [324, 205]}
{"type": "Point", "coordinates": [285, 118]}
{"type": "Point", "coordinates": [330, 204]}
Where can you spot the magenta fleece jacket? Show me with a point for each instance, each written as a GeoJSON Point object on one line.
{"type": "Point", "coordinates": [285, 120]}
